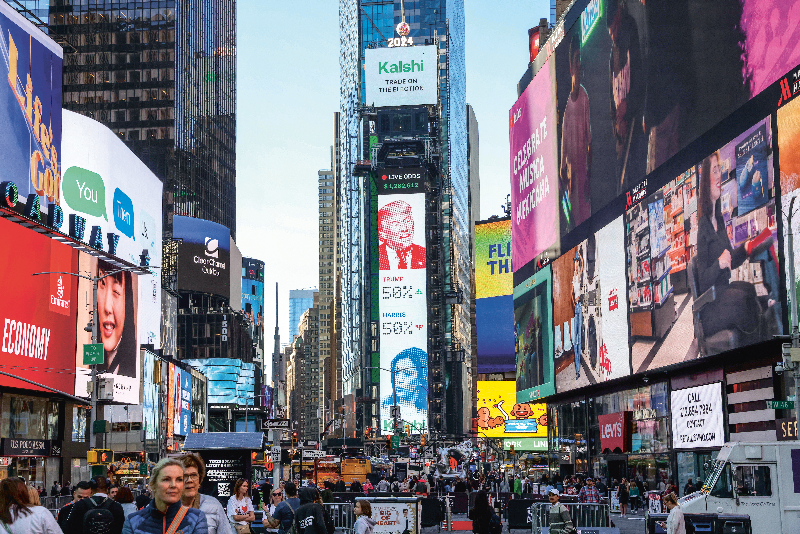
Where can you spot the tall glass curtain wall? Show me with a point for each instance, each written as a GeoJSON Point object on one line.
{"type": "Point", "coordinates": [120, 65]}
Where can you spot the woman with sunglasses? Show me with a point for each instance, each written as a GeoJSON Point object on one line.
{"type": "Point", "coordinates": [275, 498]}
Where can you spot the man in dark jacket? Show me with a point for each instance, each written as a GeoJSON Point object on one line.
{"type": "Point", "coordinates": [82, 491]}
{"type": "Point", "coordinates": [286, 510]}
{"type": "Point", "coordinates": [100, 486]}
{"type": "Point", "coordinates": [310, 517]}
{"type": "Point", "coordinates": [340, 487]}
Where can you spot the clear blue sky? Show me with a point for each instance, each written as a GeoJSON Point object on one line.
{"type": "Point", "coordinates": [288, 90]}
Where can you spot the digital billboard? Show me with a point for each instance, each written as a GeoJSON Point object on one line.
{"type": "Point", "coordinates": [533, 336]}
{"type": "Point", "coordinates": [199, 401]}
{"type": "Point", "coordinates": [150, 404]}
{"type": "Point", "coordinates": [109, 186]}
{"type": "Point", "coordinates": [590, 318]}
{"type": "Point", "coordinates": [118, 329]}
{"type": "Point", "coordinates": [204, 255]}
{"type": "Point", "coordinates": [534, 180]}
{"type": "Point", "coordinates": [401, 76]}
{"type": "Point", "coordinates": [494, 301]}
{"type": "Point", "coordinates": [30, 99]}
{"type": "Point", "coordinates": [170, 430]}
{"type": "Point", "coordinates": [403, 310]}
{"type": "Point", "coordinates": [183, 402]}
{"type": "Point", "coordinates": [501, 416]}
{"type": "Point", "coordinates": [710, 232]}
{"type": "Point", "coordinates": [788, 121]}
{"type": "Point", "coordinates": [697, 417]}
{"type": "Point", "coordinates": [37, 313]}
{"type": "Point", "coordinates": [630, 95]}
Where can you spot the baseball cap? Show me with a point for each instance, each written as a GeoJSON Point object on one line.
{"type": "Point", "coordinates": [553, 491]}
{"type": "Point", "coordinates": [590, 479]}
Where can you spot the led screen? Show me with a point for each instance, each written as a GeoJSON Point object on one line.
{"type": "Point", "coordinates": [500, 415]}
{"type": "Point", "coordinates": [533, 336]}
{"type": "Point", "coordinates": [788, 119]}
{"type": "Point", "coordinates": [632, 84]}
{"type": "Point", "coordinates": [199, 401]}
{"type": "Point", "coordinates": [534, 178]}
{"type": "Point", "coordinates": [183, 402]}
{"type": "Point", "coordinates": [30, 99]}
{"type": "Point", "coordinates": [171, 406]}
{"type": "Point", "coordinates": [401, 76]}
{"type": "Point", "coordinates": [589, 311]}
{"type": "Point", "coordinates": [118, 313]}
{"type": "Point", "coordinates": [112, 189]}
{"type": "Point", "coordinates": [403, 310]}
{"type": "Point", "coordinates": [150, 404]}
{"type": "Point", "coordinates": [37, 313]}
{"type": "Point", "coordinates": [494, 304]}
{"type": "Point", "coordinates": [713, 226]}
{"type": "Point", "coordinates": [204, 255]}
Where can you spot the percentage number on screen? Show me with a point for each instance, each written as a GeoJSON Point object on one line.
{"type": "Point", "coordinates": [397, 327]}
{"type": "Point", "coordinates": [399, 292]}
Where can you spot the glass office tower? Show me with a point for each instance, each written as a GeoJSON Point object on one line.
{"type": "Point", "coordinates": [162, 75]}
{"type": "Point", "coordinates": [366, 24]}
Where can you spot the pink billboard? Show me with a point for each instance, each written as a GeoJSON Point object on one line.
{"type": "Point", "coordinates": [534, 186]}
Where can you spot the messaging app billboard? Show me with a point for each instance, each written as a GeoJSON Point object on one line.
{"type": "Point", "coordinates": [107, 185]}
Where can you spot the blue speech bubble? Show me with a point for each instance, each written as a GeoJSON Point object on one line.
{"type": "Point", "coordinates": [123, 213]}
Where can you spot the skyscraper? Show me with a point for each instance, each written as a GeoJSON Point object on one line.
{"type": "Point", "coordinates": [162, 75]}
{"type": "Point", "coordinates": [299, 301]}
{"type": "Point", "coordinates": [368, 24]}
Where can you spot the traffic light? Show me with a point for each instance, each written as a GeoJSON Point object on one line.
{"type": "Point", "coordinates": [388, 442]}
{"type": "Point", "coordinates": [294, 439]}
{"type": "Point", "coordinates": [366, 432]}
{"type": "Point", "coordinates": [423, 440]}
{"type": "Point", "coordinates": [511, 449]}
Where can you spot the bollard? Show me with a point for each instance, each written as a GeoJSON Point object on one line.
{"type": "Point", "coordinates": [449, 515]}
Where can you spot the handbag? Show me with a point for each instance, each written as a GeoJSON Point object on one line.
{"type": "Point", "coordinates": [241, 529]}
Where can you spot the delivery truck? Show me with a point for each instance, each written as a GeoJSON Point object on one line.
{"type": "Point", "coordinates": [760, 480]}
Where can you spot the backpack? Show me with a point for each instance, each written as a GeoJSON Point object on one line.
{"type": "Point", "coordinates": [99, 519]}
{"type": "Point", "coordinates": [293, 528]}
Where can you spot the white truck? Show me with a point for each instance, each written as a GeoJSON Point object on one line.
{"type": "Point", "coordinates": [761, 480]}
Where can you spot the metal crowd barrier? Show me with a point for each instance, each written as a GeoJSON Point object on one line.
{"type": "Point", "coordinates": [342, 515]}
{"type": "Point", "coordinates": [55, 503]}
{"type": "Point", "coordinates": [582, 514]}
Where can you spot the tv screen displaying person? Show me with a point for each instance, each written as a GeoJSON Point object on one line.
{"type": "Point", "coordinates": [409, 385]}
{"type": "Point", "coordinates": [396, 233]}
{"type": "Point", "coordinates": [116, 320]}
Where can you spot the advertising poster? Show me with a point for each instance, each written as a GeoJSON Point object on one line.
{"type": "Point", "coordinates": [30, 142]}
{"type": "Point", "coordinates": [183, 402]}
{"type": "Point", "coordinates": [697, 417]}
{"type": "Point", "coordinates": [117, 310]}
{"type": "Point", "coordinates": [788, 119]}
{"type": "Point", "coordinates": [500, 415]}
{"type": "Point", "coordinates": [534, 178]}
{"type": "Point", "coordinates": [704, 239]}
{"type": "Point", "coordinates": [396, 517]}
{"type": "Point", "coordinates": [401, 76]}
{"type": "Point", "coordinates": [199, 400]}
{"type": "Point", "coordinates": [533, 336]}
{"type": "Point", "coordinates": [204, 255]}
{"type": "Point", "coordinates": [494, 305]}
{"type": "Point", "coordinates": [150, 411]}
{"type": "Point", "coordinates": [403, 310]}
{"type": "Point", "coordinates": [223, 469]}
{"type": "Point", "coordinates": [170, 406]}
{"type": "Point", "coordinates": [37, 313]}
{"type": "Point", "coordinates": [590, 323]}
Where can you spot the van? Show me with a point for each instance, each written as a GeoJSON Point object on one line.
{"type": "Point", "coordinates": [760, 480]}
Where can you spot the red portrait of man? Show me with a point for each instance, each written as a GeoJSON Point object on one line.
{"type": "Point", "coordinates": [396, 233]}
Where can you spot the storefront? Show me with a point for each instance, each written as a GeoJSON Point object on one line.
{"type": "Point", "coordinates": [30, 428]}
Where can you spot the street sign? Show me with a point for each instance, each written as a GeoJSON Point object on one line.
{"type": "Point", "coordinates": [395, 442]}
{"type": "Point", "coordinates": [93, 353]}
{"type": "Point", "coordinates": [311, 453]}
{"type": "Point", "coordinates": [274, 424]}
{"type": "Point", "coordinates": [780, 405]}
{"type": "Point", "coordinates": [276, 454]}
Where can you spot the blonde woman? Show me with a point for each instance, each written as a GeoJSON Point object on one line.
{"type": "Point", "coordinates": [676, 523]}
{"type": "Point", "coordinates": [166, 513]}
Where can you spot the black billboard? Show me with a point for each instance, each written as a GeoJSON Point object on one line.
{"type": "Point", "coordinates": [204, 255]}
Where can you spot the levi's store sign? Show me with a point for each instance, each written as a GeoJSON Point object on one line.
{"type": "Point", "coordinates": [37, 313]}
{"type": "Point", "coordinates": [614, 432]}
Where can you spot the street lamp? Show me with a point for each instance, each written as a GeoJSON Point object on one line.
{"type": "Point", "coordinates": [141, 269]}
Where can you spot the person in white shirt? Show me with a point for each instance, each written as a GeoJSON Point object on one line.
{"type": "Point", "coordinates": [19, 516]}
{"type": "Point", "coordinates": [676, 523]}
{"type": "Point", "coordinates": [240, 507]}
{"type": "Point", "coordinates": [396, 233]}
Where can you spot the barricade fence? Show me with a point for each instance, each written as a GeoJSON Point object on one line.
{"type": "Point", "coordinates": [582, 514]}
{"type": "Point", "coordinates": [342, 515]}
